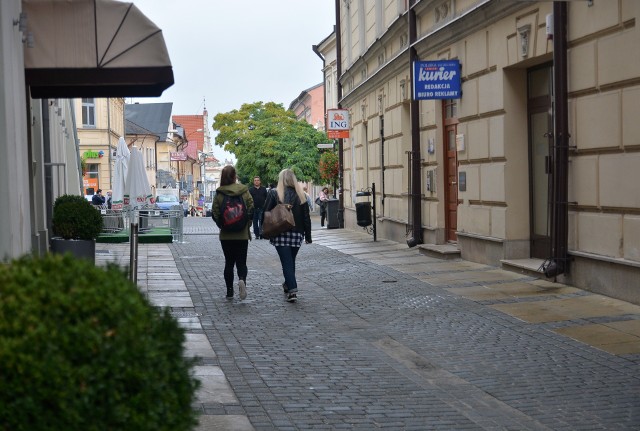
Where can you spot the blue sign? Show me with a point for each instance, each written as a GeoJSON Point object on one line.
{"type": "Point", "coordinates": [436, 80]}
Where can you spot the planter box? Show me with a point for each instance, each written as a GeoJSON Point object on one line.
{"type": "Point", "coordinates": [82, 249]}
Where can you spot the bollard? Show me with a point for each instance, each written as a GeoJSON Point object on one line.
{"type": "Point", "coordinates": [133, 253]}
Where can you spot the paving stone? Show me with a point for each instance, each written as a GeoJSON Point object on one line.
{"type": "Point", "coordinates": [389, 343]}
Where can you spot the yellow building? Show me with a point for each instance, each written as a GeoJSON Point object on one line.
{"type": "Point", "coordinates": [100, 124]}
{"type": "Point", "coordinates": [535, 163]}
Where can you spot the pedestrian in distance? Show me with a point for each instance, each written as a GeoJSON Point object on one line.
{"type": "Point", "coordinates": [109, 199]}
{"type": "Point", "coordinates": [233, 216]}
{"type": "Point", "coordinates": [309, 201]}
{"type": "Point", "coordinates": [185, 206]}
{"type": "Point", "coordinates": [259, 195]}
{"type": "Point", "coordinates": [98, 199]}
{"type": "Point", "coordinates": [323, 198]}
{"type": "Point", "coordinates": [287, 244]}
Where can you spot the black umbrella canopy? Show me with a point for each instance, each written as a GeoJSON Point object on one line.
{"type": "Point", "coordinates": [93, 48]}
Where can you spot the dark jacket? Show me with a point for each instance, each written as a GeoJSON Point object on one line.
{"type": "Point", "coordinates": [97, 200]}
{"type": "Point", "coordinates": [233, 190]}
{"type": "Point", "coordinates": [299, 209]}
{"type": "Point", "coordinates": [259, 196]}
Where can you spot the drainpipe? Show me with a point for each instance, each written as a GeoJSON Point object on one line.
{"type": "Point", "coordinates": [339, 94]}
{"type": "Point", "coordinates": [109, 142]}
{"type": "Point", "coordinates": [558, 263]}
{"type": "Point", "coordinates": [382, 155]}
{"type": "Point", "coordinates": [416, 187]}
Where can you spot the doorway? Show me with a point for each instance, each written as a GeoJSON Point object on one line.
{"type": "Point", "coordinates": [540, 119]}
{"type": "Point", "coordinates": [450, 115]}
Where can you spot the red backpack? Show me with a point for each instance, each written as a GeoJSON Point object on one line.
{"type": "Point", "coordinates": [233, 213]}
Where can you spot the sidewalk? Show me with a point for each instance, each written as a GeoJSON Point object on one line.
{"type": "Point", "coordinates": [384, 337]}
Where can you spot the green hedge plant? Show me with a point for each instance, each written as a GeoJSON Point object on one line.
{"type": "Point", "coordinates": [82, 349]}
{"type": "Point", "coordinates": [75, 218]}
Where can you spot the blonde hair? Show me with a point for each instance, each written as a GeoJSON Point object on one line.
{"type": "Point", "coordinates": [287, 178]}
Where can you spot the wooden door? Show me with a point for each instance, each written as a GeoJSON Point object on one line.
{"type": "Point", "coordinates": [451, 193]}
{"type": "Point", "coordinates": [450, 116]}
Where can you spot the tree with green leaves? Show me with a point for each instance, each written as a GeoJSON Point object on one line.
{"type": "Point", "coordinates": [266, 138]}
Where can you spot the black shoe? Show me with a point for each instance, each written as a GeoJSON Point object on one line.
{"type": "Point", "coordinates": [284, 287]}
{"type": "Point", "coordinates": [229, 292]}
{"type": "Point", "coordinates": [292, 297]}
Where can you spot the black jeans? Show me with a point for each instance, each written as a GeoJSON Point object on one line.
{"type": "Point", "coordinates": [235, 254]}
{"type": "Point", "coordinates": [257, 226]}
{"type": "Point", "coordinates": [323, 215]}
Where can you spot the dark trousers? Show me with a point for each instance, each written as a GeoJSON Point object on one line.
{"type": "Point", "coordinates": [323, 216]}
{"type": "Point", "coordinates": [257, 225]}
{"type": "Point", "coordinates": [288, 260]}
{"type": "Point", "coordinates": [235, 254]}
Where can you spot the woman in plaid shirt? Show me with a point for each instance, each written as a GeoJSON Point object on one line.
{"type": "Point", "coordinates": [287, 244]}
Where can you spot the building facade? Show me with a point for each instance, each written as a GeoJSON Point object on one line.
{"type": "Point", "coordinates": [100, 123]}
{"type": "Point", "coordinates": [196, 149]}
{"type": "Point", "coordinates": [309, 106]}
{"type": "Point", "coordinates": [149, 128]}
{"type": "Point", "coordinates": [485, 172]}
{"type": "Point", "coordinates": [41, 43]}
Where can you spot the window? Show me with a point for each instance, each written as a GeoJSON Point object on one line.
{"type": "Point", "coordinates": [88, 112]}
{"type": "Point", "coordinates": [450, 108]}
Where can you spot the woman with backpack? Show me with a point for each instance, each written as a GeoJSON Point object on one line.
{"type": "Point", "coordinates": [289, 191]}
{"type": "Point", "coordinates": [232, 210]}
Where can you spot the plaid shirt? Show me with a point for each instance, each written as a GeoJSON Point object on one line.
{"type": "Point", "coordinates": [288, 239]}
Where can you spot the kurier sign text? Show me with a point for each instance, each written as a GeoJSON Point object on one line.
{"type": "Point", "coordinates": [338, 123]}
{"type": "Point", "coordinates": [436, 80]}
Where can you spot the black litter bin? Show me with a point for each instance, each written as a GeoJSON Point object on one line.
{"type": "Point", "coordinates": [143, 221]}
{"type": "Point", "coordinates": [333, 205]}
{"type": "Point", "coordinates": [363, 213]}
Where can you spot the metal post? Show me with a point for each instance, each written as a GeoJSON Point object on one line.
{"type": "Point", "coordinates": [133, 253]}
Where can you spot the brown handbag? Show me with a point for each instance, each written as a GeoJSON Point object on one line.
{"type": "Point", "coordinates": [278, 220]}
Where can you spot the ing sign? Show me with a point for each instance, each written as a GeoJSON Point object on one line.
{"type": "Point", "coordinates": [338, 124]}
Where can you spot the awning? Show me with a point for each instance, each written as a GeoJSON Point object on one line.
{"type": "Point", "coordinates": [93, 48]}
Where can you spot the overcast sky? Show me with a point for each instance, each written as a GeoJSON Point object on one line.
{"type": "Point", "coordinates": [227, 52]}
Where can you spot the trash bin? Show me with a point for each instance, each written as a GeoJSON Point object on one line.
{"type": "Point", "coordinates": [333, 222]}
{"type": "Point", "coordinates": [363, 214]}
{"type": "Point", "coordinates": [143, 221]}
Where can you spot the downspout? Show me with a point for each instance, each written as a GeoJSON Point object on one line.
{"type": "Point", "coordinates": [340, 141]}
{"type": "Point", "coordinates": [76, 140]}
{"type": "Point", "coordinates": [109, 142]}
{"type": "Point", "coordinates": [558, 263]}
{"type": "Point", "coordinates": [382, 156]}
{"type": "Point", "coordinates": [416, 188]}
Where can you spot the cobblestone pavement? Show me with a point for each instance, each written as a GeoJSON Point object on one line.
{"type": "Point", "coordinates": [383, 337]}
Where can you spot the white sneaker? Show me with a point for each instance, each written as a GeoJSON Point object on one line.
{"type": "Point", "coordinates": [242, 287]}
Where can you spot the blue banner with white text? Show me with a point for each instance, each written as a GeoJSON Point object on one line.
{"type": "Point", "coordinates": [438, 79]}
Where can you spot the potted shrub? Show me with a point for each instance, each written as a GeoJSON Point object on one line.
{"type": "Point", "coordinates": [81, 348]}
{"type": "Point", "coordinates": [76, 225]}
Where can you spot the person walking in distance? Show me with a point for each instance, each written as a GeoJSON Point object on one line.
{"type": "Point", "coordinates": [324, 198]}
{"type": "Point", "coordinates": [259, 195]}
{"type": "Point", "coordinates": [287, 244]}
{"type": "Point", "coordinates": [233, 216]}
